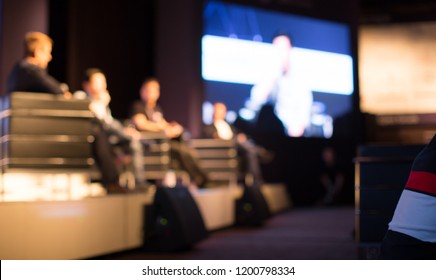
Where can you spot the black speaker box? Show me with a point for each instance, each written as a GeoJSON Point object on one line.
{"type": "Point", "coordinates": [173, 222]}
{"type": "Point", "coordinates": [251, 208]}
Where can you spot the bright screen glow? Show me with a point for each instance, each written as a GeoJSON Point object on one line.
{"type": "Point", "coordinates": [243, 68]}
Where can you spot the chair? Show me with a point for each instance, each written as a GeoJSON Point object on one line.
{"type": "Point", "coordinates": [381, 172]}
{"type": "Point", "coordinates": [44, 133]}
{"type": "Point", "coordinates": [157, 158]}
{"type": "Point", "coordinates": [219, 158]}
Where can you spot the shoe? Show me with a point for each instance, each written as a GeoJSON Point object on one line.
{"type": "Point", "coordinates": [115, 189]}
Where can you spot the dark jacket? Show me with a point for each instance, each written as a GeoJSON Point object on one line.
{"type": "Point", "coordinates": [32, 78]}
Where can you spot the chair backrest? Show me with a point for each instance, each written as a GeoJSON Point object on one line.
{"type": "Point", "coordinates": [156, 154]}
{"type": "Point", "coordinates": [381, 172]}
{"type": "Point", "coordinates": [218, 157]}
{"type": "Point", "coordinates": [45, 132]}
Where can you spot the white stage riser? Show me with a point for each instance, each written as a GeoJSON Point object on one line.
{"type": "Point", "coordinates": [70, 229]}
{"type": "Point", "coordinates": [85, 228]}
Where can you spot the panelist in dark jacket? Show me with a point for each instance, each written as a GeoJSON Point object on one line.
{"type": "Point", "coordinates": [30, 74]}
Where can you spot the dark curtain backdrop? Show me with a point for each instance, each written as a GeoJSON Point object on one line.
{"type": "Point", "coordinates": [116, 36]}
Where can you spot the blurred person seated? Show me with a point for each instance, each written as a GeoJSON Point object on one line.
{"type": "Point", "coordinates": [109, 133]}
{"type": "Point", "coordinates": [30, 74]}
{"type": "Point", "coordinates": [332, 176]}
{"type": "Point", "coordinates": [147, 115]}
{"type": "Point", "coordinates": [248, 151]}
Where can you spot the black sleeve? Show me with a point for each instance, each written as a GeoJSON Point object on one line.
{"type": "Point", "coordinates": [31, 78]}
{"type": "Point", "coordinates": [137, 108]}
{"type": "Point", "coordinates": [209, 131]}
{"type": "Point", "coordinates": [49, 84]}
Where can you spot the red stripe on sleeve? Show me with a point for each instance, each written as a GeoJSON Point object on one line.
{"type": "Point", "coordinates": [422, 181]}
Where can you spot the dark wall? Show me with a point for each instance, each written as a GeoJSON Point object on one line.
{"type": "Point", "coordinates": [177, 44]}
{"type": "Point", "coordinates": [16, 18]}
{"type": "Point", "coordinates": [116, 36]}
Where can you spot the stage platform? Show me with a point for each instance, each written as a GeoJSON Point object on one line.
{"type": "Point", "coordinates": [63, 223]}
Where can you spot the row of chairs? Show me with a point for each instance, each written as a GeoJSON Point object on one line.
{"type": "Point", "coordinates": [44, 132]}
{"type": "Point", "coordinates": [217, 157]}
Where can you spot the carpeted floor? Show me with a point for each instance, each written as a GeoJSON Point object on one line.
{"type": "Point", "coordinates": [297, 234]}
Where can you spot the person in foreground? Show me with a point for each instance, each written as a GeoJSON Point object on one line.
{"type": "Point", "coordinates": [148, 116]}
{"type": "Point", "coordinates": [30, 74]}
{"type": "Point", "coordinates": [412, 231]}
{"type": "Point", "coordinates": [108, 133]}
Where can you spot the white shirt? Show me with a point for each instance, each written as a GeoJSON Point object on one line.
{"type": "Point", "coordinates": [101, 111]}
{"type": "Point", "coordinates": [224, 130]}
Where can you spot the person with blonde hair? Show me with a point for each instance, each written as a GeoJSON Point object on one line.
{"type": "Point", "coordinates": [30, 73]}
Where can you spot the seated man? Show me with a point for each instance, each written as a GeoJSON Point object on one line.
{"type": "Point", "coordinates": [148, 116]}
{"type": "Point", "coordinates": [248, 151]}
{"type": "Point", "coordinates": [30, 74]}
{"type": "Point", "coordinates": [106, 128]}
{"type": "Point", "coordinates": [332, 175]}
